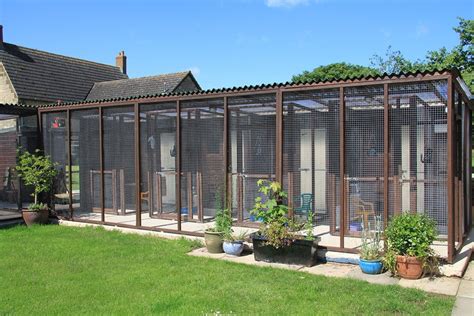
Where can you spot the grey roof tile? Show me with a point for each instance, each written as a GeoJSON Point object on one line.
{"type": "Point", "coordinates": [166, 83]}
{"type": "Point", "coordinates": [43, 76]}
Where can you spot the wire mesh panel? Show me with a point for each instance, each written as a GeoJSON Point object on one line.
{"type": "Point", "coordinates": [85, 164]}
{"type": "Point", "coordinates": [119, 164]}
{"type": "Point", "coordinates": [158, 162]}
{"type": "Point", "coordinates": [56, 147]}
{"type": "Point", "coordinates": [418, 150]}
{"type": "Point", "coordinates": [251, 151]}
{"type": "Point", "coordinates": [202, 158]}
{"type": "Point", "coordinates": [364, 160]}
{"type": "Point", "coordinates": [8, 146]}
{"type": "Point", "coordinates": [311, 158]}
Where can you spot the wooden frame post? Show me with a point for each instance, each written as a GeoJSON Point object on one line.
{"type": "Point", "coordinates": [279, 137]}
{"type": "Point", "coordinates": [342, 153]}
{"type": "Point", "coordinates": [69, 160]}
{"type": "Point", "coordinates": [178, 163]}
{"type": "Point", "coordinates": [138, 200]}
{"type": "Point", "coordinates": [386, 153]}
{"type": "Point", "coordinates": [101, 165]}
{"type": "Point", "coordinates": [225, 149]}
{"type": "Point", "coordinates": [450, 180]}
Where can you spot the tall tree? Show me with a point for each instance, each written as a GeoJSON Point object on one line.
{"type": "Point", "coordinates": [334, 71]}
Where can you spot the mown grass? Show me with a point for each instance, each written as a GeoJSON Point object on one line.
{"type": "Point", "coordinates": [65, 270]}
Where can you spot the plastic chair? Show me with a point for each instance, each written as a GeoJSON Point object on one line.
{"type": "Point", "coordinates": [306, 204]}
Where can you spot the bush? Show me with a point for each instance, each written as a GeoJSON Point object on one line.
{"type": "Point", "coordinates": [410, 235]}
{"type": "Point", "coordinates": [38, 171]}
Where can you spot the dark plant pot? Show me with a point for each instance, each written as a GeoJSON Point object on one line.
{"type": "Point", "coordinates": [233, 248]}
{"type": "Point", "coordinates": [213, 242]}
{"type": "Point", "coordinates": [371, 266]}
{"type": "Point", "coordinates": [409, 267]}
{"type": "Point", "coordinates": [35, 217]}
{"type": "Point", "coordinates": [299, 252]}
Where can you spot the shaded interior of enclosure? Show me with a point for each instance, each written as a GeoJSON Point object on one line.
{"type": "Point", "coordinates": [370, 150]}
{"type": "Point", "coordinates": [18, 129]}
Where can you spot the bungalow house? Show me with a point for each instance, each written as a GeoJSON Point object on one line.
{"type": "Point", "coordinates": [348, 150]}
{"type": "Point", "coordinates": [30, 78]}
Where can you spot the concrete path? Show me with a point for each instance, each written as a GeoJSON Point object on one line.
{"type": "Point", "coordinates": [465, 296]}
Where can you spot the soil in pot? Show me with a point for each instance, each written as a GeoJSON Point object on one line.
{"type": "Point", "coordinates": [233, 248]}
{"type": "Point", "coordinates": [409, 267]}
{"type": "Point", "coordinates": [371, 266]}
{"type": "Point", "coordinates": [213, 241]}
{"type": "Point", "coordinates": [35, 217]}
{"type": "Point", "coordinates": [299, 252]}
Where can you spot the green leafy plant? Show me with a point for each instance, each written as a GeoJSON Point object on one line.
{"type": "Point", "coordinates": [308, 226]}
{"type": "Point", "coordinates": [37, 171]}
{"type": "Point", "coordinates": [276, 227]}
{"type": "Point", "coordinates": [411, 235]}
{"type": "Point", "coordinates": [223, 218]}
{"type": "Point", "coordinates": [371, 248]}
{"type": "Point", "coordinates": [270, 207]}
{"type": "Point", "coordinates": [232, 236]}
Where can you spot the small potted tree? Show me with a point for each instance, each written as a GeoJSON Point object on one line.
{"type": "Point", "coordinates": [370, 260]}
{"type": "Point", "coordinates": [409, 237]}
{"type": "Point", "coordinates": [280, 239]}
{"type": "Point", "coordinates": [214, 236]}
{"type": "Point", "coordinates": [37, 171]}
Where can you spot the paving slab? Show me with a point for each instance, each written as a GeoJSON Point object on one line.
{"type": "Point", "coordinates": [463, 307]}
{"type": "Point", "coordinates": [469, 274]}
{"type": "Point", "coordinates": [331, 269]}
{"type": "Point", "coordinates": [466, 289]}
{"type": "Point", "coordinates": [442, 285]}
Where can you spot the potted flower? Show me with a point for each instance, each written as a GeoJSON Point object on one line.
{"type": "Point", "coordinates": [37, 171]}
{"type": "Point", "coordinates": [213, 236]}
{"type": "Point", "coordinates": [370, 260]}
{"type": "Point", "coordinates": [409, 237]}
{"type": "Point", "coordinates": [234, 243]}
{"type": "Point", "coordinates": [280, 239]}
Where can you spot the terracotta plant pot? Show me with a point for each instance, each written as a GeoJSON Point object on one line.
{"type": "Point", "coordinates": [35, 217]}
{"type": "Point", "coordinates": [409, 267]}
{"type": "Point", "coordinates": [214, 241]}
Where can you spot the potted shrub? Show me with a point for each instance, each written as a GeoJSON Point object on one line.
{"type": "Point", "coordinates": [234, 243]}
{"type": "Point", "coordinates": [409, 238]}
{"type": "Point", "coordinates": [38, 172]}
{"type": "Point", "coordinates": [279, 238]}
{"type": "Point", "coordinates": [370, 260]}
{"type": "Point", "coordinates": [213, 236]}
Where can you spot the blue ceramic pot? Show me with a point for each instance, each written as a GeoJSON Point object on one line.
{"type": "Point", "coordinates": [371, 266]}
{"type": "Point", "coordinates": [233, 248]}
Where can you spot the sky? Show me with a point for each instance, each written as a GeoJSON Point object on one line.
{"type": "Point", "coordinates": [233, 42]}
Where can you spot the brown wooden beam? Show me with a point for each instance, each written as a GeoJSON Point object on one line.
{"type": "Point", "coordinates": [138, 200]}
{"type": "Point", "coordinates": [386, 134]}
{"type": "Point", "coordinates": [342, 153]}
{"type": "Point", "coordinates": [178, 163]}
{"type": "Point", "coordinates": [450, 180]}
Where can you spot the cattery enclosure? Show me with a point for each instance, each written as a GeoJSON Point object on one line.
{"type": "Point", "coordinates": [346, 150]}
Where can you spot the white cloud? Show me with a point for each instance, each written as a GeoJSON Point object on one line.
{"type": "Point", "coordinates": [421, 29]}
{"type": "Point", "coordinates": [285, 3]}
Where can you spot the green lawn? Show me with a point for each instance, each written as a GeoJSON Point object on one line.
{"type": "Point", "coordinates": [64, 270]}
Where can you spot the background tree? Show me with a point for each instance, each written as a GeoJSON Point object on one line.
{"type": "Point", "coordinates": [334, 71]}
{"type": "Point", "coordinates": [461, 57]}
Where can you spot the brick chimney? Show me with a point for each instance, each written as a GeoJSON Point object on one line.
{"type": "Point", "coordinates": [121, 62]}
{"type": "Point", "coordinates": [1, 36]}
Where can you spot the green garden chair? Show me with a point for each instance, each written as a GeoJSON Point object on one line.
{"type": "Point", "coordinates": [306, 204]}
